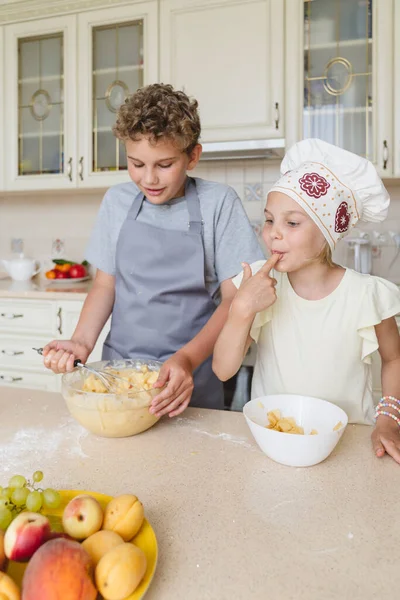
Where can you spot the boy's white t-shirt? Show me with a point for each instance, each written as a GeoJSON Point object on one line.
{"type": "Point", "coordinates": [322, 348]}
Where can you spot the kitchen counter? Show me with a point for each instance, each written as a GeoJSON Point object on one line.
{"type": "Point", "coordinates": [42, 289]}
{"type": "Point", "coordinates": [230, 523]}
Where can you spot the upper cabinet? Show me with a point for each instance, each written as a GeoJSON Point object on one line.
{"type": "Point", "coordinates": [66, 78]}
{"type": "Point", "coordinates": [229, 55]}
{"type": "Point", "coordinates": [2, 112]}
{"type": "Point", "coordinates": [118, 53]}
{"type": "Point", "coordinates": [397, 89]}
{"type": "Point", "coordinates": [40, 104]}
{"type": "Point", "coordinates": [344, 91]}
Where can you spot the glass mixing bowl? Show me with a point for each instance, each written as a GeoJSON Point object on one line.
{"type": "Point", "coordinates": [111, 414]}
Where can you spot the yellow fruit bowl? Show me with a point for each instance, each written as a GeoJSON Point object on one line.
{"type": "Point", "coordinates": [145, 540]}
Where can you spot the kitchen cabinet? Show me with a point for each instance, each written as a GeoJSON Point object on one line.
{"type": "Point", "coordinates": [397, 88]}
{"type": "Point", "coordinates": [339, 76]}
{"type": "Point", "coordinates": [66, 77]}
{"type": "Point", "coordinates": [229, 56]}
{"type": "Point", "coordinates": [27, 324]}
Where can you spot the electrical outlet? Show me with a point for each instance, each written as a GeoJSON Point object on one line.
{"type": "Point", "coordinates": [17, 245]}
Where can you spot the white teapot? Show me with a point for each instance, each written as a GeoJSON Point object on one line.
{"type": "Point", "coordinates": [22, 268]}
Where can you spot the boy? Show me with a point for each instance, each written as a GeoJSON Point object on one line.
{"type": "Point", "coordinates": [165, 247]}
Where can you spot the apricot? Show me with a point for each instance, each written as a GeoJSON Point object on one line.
{"type": "Point", "coordinates": [120, 571]}
{"type": "Point", "coordinates": [124, 515]}
{"type": "Point", "coordinates": [98, 544]}
{"type": "Point", "coordinates": [8, 588]}
{"type": "Point", "coordinates": [60, 570]}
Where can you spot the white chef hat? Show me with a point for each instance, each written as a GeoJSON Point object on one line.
{"type": "Point", "coordinates": [335, 187]}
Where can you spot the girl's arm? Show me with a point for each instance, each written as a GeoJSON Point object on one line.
{"type": "Point", "coordinates": [386, 435]}
{"type": "Point", "coordinates": [59, 355]}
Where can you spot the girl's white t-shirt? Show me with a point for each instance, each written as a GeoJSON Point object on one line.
{"type": "Point", "coordinates": [322, 348]}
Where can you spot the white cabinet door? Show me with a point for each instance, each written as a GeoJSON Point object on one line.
{"type": "Point", "coordinates": [118, 53]}
{"type": "Point", "coordinates": [40, 108]}
{"type": "Point", "coordinates": [229, 56]}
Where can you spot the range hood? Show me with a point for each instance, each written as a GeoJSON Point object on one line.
{"type": "Point", "coordinates": [271, 149]}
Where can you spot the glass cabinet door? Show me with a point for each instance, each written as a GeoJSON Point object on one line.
{"type": "Point", "coordinates": [118, 51]}
{"type": "Point", "coordinates": [40, 105]}
{"type": "Point", "coordinates": [338, 90]}
{"type": "Point", "coordinates": [117, 72]}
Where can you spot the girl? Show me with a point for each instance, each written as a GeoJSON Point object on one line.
{"type": "Point", "coordinates": [316, 323]}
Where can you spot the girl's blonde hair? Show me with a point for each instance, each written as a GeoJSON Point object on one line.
{"type": "Point", "coordinates": [325, 256]}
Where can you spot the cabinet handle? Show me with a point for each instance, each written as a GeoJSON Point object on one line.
{"type": "Point", "coordinates": [69, 170]}
{"type": "Point", "coordinates": [385, 154]}
{"type": "Point", "coordinates": [10, 316]}
{"type": "Point", "coordinates": [81, 168]}
{"type": "Point", "coordinates": [10, 379]}
{"type": "Point", "coordinates": [59, 321]}
{"type": "Point", "coordinates": [277, 115]}
{"type": "Point", "coordinates": [12, 352]}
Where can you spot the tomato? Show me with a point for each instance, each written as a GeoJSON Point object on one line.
{"type": "Point", "coordinates": [77, 271]}
{"type": "Point", "coordinates": [62, 275]}
{"type": "Point", "coordinates": [51, 274]}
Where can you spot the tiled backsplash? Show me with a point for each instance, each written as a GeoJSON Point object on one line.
{"type": "Point", "coordinates": [38, 219]}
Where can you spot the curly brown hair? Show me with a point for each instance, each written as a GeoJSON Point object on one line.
{"type": "Point", "coordinates": [158, 111]}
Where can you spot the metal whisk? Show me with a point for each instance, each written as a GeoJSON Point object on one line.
{"type": "Point", "coordinates": [109, 380]}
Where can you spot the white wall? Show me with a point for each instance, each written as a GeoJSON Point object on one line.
{"type": "Point", "coordinates": [39, 218]}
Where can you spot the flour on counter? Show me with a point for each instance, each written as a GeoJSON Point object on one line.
{"type": "Point", "coordinates": [38, 440]}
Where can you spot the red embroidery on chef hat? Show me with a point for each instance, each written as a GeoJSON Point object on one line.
{"type": "Point", "coordinates": [314, 185]}
{"type": "Point", "coordinates": [342, 218]}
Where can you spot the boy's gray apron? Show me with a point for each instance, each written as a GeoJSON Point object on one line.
{"type": "Point", "coordinates": [161, 301]}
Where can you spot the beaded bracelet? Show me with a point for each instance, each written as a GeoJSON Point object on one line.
{"type": "Point", "coordinates": [387, 414]}
{"type": "Point", "coordinates": [388, 404]}
{"type": "Point", "coordinates": [390, 398]}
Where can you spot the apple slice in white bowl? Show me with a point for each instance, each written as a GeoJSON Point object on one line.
{"type": "Point", "coordinates": [310, 413]}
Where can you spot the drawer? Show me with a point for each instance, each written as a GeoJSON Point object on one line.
{"type": "Point", "coordinates": [16, 352]}
{"type": "Point", "coordinates": [34, 316]}
{"type": "Point", "coordinates": [26, 379]}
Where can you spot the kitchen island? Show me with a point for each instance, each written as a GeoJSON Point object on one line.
{"type": "Point", "coordinates": [230, 523]}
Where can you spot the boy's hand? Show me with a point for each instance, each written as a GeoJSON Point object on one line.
{"type": "Point", "coordinates": [59, 355]}
{"type": "Point", "coordinates": [176, 372]}
{"type": "Point", "coordinates": [256, 292]}
{"type": "Point", "coordinates": [386, 438]}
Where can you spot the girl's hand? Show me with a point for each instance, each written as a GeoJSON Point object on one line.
{"type": "Point", "coordinates": [59, 355]}
{"type": "Point", "coordinates": [256, 292]}
{"type": "Point", "coordinates": [386, 438]}
{"type": "Point", "coordinates": [176, 372]}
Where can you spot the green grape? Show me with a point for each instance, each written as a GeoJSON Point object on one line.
{"type": "Point", "coordinates": [34, 501]}
{"type": "Point", "coordinates": [19, 496]}
{"type": "Point", "coordinates": [51, 498]}
{"type": "Point", "coordinates": [3, 502]}
{"type": "Point", "coordinates": [5, 518]}
{"type": "Point", "coordinates": [6, 493]}
{"type": "Point", "coordinates": [37, 476]}
{"type": "Point", "coordinates": [17, 481]}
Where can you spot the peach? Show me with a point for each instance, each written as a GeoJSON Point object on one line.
{"type": "Point", "coordinates": [24, 535]}
{"type": "Point", "coordinates": [2, 553]}
{"type": "Point", "coordinates": [60, 570]}
{"type": "Point", "coordinates": [124, 515]}
{"type": "Point", "coordinates": [120, 571]}
{"type": "Point", "coordinates": [82, 517]}
{"type": "Point", "coordinates": [8, 588]}
{"type": "Point", "coordinates": [101, 542]}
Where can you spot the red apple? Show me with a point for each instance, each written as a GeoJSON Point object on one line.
{"type": "Point", "coordinates": [77, 271]}
{"type": "Point", "coordinates": [24, 535]}
{"type": "Point", "coordinates": [82, 517]}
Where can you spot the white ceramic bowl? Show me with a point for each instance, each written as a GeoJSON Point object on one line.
{"type": "Point", "coordinates": [309, 413]}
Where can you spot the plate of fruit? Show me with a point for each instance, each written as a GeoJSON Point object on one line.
{"type": "Point", "coordinates": [94, 545]}
{"type": "Point", "coordinates": [66, 270]}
